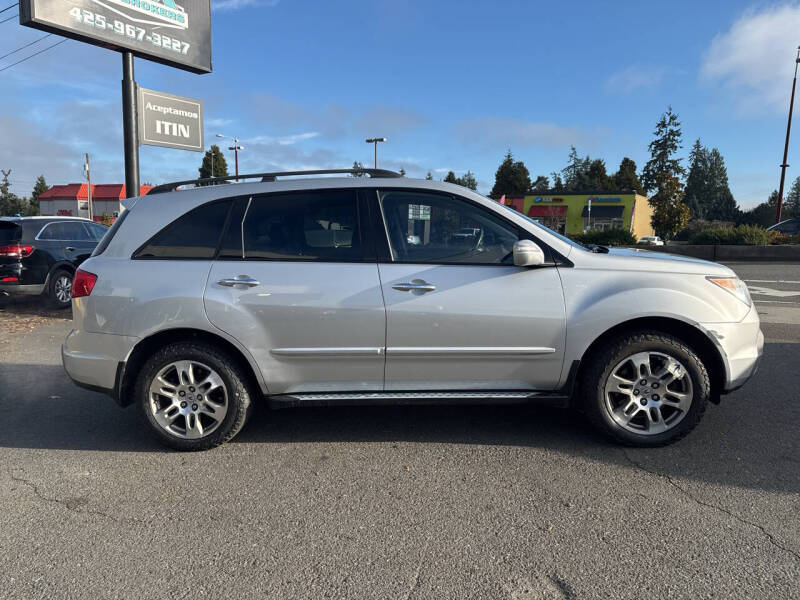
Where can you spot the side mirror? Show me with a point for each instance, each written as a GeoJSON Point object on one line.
{"type": "Point", "coordinates": [527, 254]}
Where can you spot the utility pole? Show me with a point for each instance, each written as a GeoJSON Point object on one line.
{"type": "Point", "coordinates": [786, 145]}
{"type": "Point", "coordinates": [88, 186]}
{"type": "Point", "coordinates": [375, 142]}
{"type": "Point", "coordinates": [129, 134]}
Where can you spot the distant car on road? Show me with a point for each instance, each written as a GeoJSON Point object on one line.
{"type": "Point", "coordinates": [39, 255]}
{"type": "Point", "coordinates": [313, 291]}
{"type": "Point", "coordinates": [652, 240]}
{"type": "Point", "coordinates": [787, 227]}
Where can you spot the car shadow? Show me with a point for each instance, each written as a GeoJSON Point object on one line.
{"type": "Point", "coordinates": [37, 306]}
{"type": "Point", "coordinates": [749, 441]}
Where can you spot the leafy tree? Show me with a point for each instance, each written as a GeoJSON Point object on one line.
{"type": "Point", "coordinates": [670, 214]}
{"type": "Point", "coordinates": [626, 178]}
{"type": "Point", "coordinates": [39, 187]}
{"type": "Point", "coordinates": [721, 204]}
{"type": "Point", "coordinates": [220, 165]}
{"type": "Point", "coordinates": [663, 166]}
{"type": "Point", "coordinates": [512, 177]}
{"type": "Point", "coordinates": [429, 177]}
{"type": "Point", "coordinates": [697, 181]}
{"type": "Point", "coordinates": [10, 203]}
{"type": "Point", "coordinates": [358, 168]}
{"type": "Point", "coordinates": [541, 184]}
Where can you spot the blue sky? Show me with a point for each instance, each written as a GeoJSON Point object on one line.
{"type": "Point", "coordinates": [451, 84]}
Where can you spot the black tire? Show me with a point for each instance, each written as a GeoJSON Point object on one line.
{"type": "Point", "coordinates": [55, 288]}
{"type": "Point", "coordinates": [235, 379]}
{"type": "Point", "coordinates": [602, 362]}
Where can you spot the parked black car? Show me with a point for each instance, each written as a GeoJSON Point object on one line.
{"type": "Point", "coordinates": [788, 227]}
{"type": "Point", "coordinates": [39, 255]}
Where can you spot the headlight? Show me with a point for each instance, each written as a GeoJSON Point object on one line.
{"type": "Point", "coordinates": [734, 285]}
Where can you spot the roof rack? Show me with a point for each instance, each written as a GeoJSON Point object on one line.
{"type": "Point", "coordinates": [264, 177]}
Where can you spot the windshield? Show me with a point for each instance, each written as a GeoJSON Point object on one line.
{"type": "Point", "coordinates": [563, 238]}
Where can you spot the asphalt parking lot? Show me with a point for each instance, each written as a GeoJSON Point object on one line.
{"type": "Point", "coordinates": [512, 502]}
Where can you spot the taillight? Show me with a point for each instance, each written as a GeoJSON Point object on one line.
{"type": "Point", "coordinates": [83, 283]}
{"type": "Point", "coordinates": [16, 251]}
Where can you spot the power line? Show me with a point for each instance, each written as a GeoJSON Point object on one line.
{"type": "Point", "coordinates": [25, 46]}
{"type": "Point", "coordinates": [9, 18]}
{"type": "Point", "coordinates": [34, 54]}
{"type": "Point", "coordinates": [9, 7]}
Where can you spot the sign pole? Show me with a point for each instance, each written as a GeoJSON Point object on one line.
{"type": "Point", "coordinates": [129, 124]}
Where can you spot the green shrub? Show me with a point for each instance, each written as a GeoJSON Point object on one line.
{"type": "Point", "coordinates": [745, 235]}
{"type": "Point", "coordinates": [607, 237]}
{"type": "Point", "coordinates": [696, 225]}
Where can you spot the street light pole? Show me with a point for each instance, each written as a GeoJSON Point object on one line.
{"type": "Point", "coordinates": [236, 147]}
{"type": "Point", "coordinates": [375, 142]}
{"type": "Point", "coordinates": [786, 145]}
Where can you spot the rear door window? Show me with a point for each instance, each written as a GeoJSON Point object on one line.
{"type": "Point", "coordinates": [195, 235]}
{"type": "Point", "coordinates": [69, 231]}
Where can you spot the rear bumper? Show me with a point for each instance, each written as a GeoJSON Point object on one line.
{"type": "Point", "coordinates": [25, 289]}
{"type": "Point", "coordinates": [95, 360]}
{"type": "Point", "coordinates": [741, 345]}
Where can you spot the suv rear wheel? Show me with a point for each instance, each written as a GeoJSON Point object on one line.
{"type": "Point", "coordinates": [192, 396]}
{"type": "Point", "coordinates": [60, 288]}
{"type": "Point", "coordinates": [645, 389]}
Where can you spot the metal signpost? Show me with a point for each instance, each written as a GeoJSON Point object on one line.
{"type": "Point", "coordinates": [170, 121]}
{"type": "Point", "coordinates": [177, 35]}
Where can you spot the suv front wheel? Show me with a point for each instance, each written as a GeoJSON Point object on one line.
{"type": "Point", "coordinates": [645, 389]}
{"type": "Point", "coordinates": [192, 396]}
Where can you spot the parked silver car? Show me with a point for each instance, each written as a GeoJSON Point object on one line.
{"type": "Point", "coordinates": [308, 291]}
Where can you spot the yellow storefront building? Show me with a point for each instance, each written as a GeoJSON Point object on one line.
{"type": "Point", "coordinates": [575, 213]}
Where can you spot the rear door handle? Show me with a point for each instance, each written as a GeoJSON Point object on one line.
{"type": "Point", "coordinates": [244, 280]}
{"type": "Point", "coordinates": [417, 285]}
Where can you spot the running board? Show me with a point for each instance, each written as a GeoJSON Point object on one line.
{"type": "Point", "coordinates": [416, 398]}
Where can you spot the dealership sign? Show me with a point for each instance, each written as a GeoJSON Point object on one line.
{"type": "Point", "coordinates": [169, 120]}
{"type": "Point", "coordinates": [175, 34]}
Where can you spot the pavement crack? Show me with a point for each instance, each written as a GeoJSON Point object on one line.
{"type": "Point", "coordinates": [415, 579]}
{"type": "Point", "coordinates": [685, 492]}
{"type": "Point", "coordinates": [71, 504]}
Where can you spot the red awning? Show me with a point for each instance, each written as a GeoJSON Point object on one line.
{"type": "Point", "coordinates": [547, 211]}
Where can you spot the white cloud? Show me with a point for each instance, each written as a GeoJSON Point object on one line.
{"type": "Point", "coordinates": [500, 132]}
{"type": "Point", "coordinates": [285, 140]}
{"type": "Point", "coordinates": [635, 77]}
{"type": "Point", "coordinates": [230, 5]}
{"type": "Point", "coordinates": [218, 122]}
{"type": "Point", "coordinates": [753, 60]}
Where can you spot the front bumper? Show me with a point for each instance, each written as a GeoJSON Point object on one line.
{"type": "Point", "coordinates": [741, 346]}
{"type": "Point", "coordinates": [95, 360]}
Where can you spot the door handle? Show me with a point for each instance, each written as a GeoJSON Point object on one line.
{"type": "Point", "coordinates": [69, 249]}
{"type": "Point", "coordinates": [416, 285]}
{"type": "Point", "coordinates": [239, 280]}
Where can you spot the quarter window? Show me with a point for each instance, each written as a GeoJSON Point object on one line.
{"type": "Point", "coordinates": [439, 229]}
{"type": "Point", "coordinates": [194, 235]}
{"type": "Point", "coordinates": [314, 226]}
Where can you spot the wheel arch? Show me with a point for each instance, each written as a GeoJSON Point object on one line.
{"type": "Point", "coordinates": [697, 339]}
{"type": "Point", "coordinates": [145, 348]}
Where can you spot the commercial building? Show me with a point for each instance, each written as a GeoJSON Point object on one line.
{"type": "Point", "coordinates": [577, 212]}
{"type": "Point", "coordinates": [72, 200]}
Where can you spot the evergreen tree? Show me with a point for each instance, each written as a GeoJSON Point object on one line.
{"type": "Point", "coordinates": [670, 214]}
{"type": "Point", "coordinates": [597, 179]}
{"type": "Point", "coordinates": [558, 184]}
{"type": "Point", "coordinates": [791, 204]}
{"type": "Point", "coordinates": [39, 188]}
{"type": "Point", "coordinates": [663, 166]}
{"type": "Point", "coordinates": [468, 180]}
{"type": "Point", "coordinates": [763, 214]}
{"type": "Point", "coordinates": [541, 184]}
{"type": "Point", "coordinates": [512, 177]}
{"type": "Point", "coordinates": [626, 178]}
{"type": "Point", "coordinates": [450, 177]}
{"type": "Point", "coordinates": [10, 203]}
{"type": "Point", "coordinates": [220, 165]}
{"type": "Point", "coordinates": [697, 182]}
{"type": "Point", "coordinates": [721, 204]}
{"type": "Point", "coordinates": [429, 177]}
{"type": "Point", "coordinates": [576, 173]}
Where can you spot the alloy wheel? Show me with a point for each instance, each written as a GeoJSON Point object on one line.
{"type": "Point", "coordinates": [62, 288]}
{"type": "Point", "coordinates": [648, 393]}
{"type": "Point", "coordinates": [188, 399]}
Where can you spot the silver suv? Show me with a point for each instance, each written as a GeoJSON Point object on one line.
{"type": "Point", "coordinates": [361, 290]}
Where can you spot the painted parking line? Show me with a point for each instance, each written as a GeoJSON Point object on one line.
{"type": "Point", "coordinates": [775, 302]}
{"type": "Point", "coordinates": [763, 291]}
{"type": "Point", "coordinates": [771, 281]}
